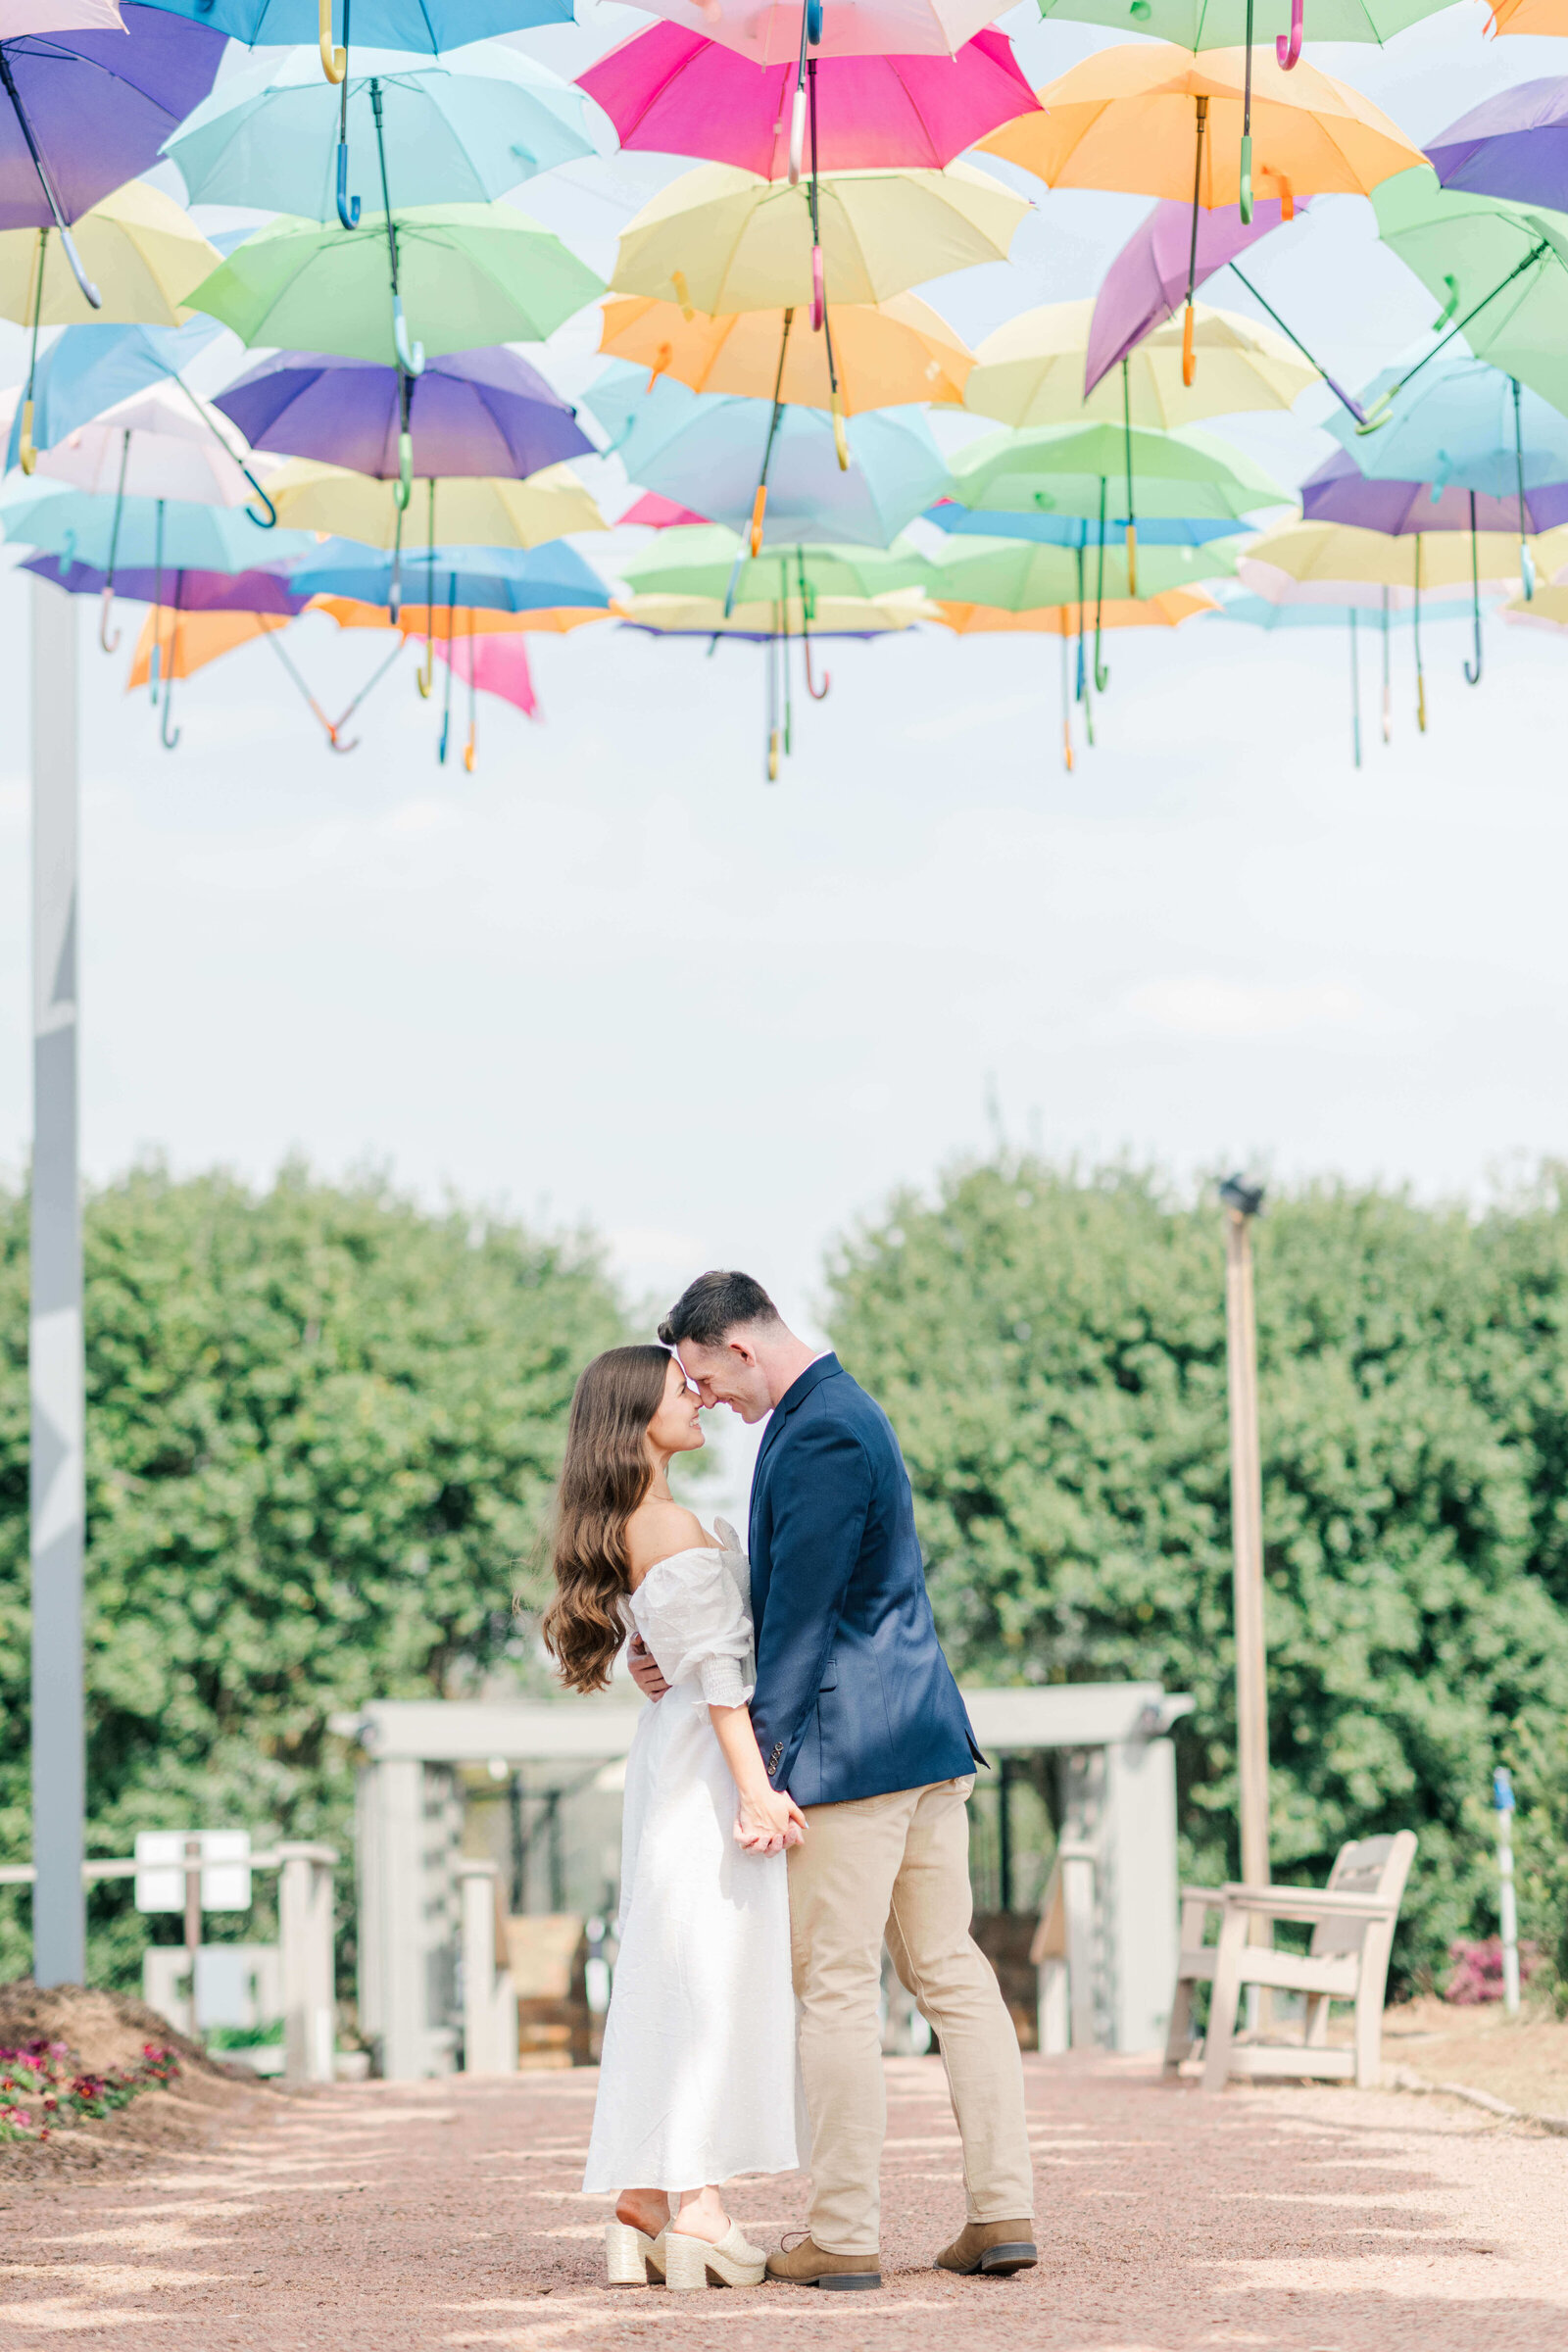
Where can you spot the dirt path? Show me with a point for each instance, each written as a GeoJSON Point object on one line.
{"type": "Point", "coordinates": [401, 2219]}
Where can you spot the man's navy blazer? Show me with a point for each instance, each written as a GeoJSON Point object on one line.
{"type": "Point", "coordinates": [853, 1697]}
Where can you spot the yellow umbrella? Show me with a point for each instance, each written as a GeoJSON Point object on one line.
{"type": "Point", "coordinates": [1031, 371]}
{"type": "Point", "coordinates": [886, 353]}
{"type": "Point", "coordinates": [784, 616]}
{"type": "Point", "coordinates": [720, 239]}
{"type": "Point", "coordinates": [1547, 609]}
{"type": "Point", "coordinates": [137, 245]}
{"type": "Point", "coordinates": [1153, 120]}
{"type": "Point", "coordinates": [1166, 610]}
{"type": "Point", "coordinates": [463, 511]}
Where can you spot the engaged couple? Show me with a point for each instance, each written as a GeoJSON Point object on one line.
{"type": "Point", "coordinates": [794, 1794]}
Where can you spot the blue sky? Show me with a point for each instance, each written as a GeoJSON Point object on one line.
{"type": "Point", "coordinates": [614, 977]}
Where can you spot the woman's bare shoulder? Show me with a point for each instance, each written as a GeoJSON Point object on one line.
{"type": "Point", "coordinates": [656, 1530]}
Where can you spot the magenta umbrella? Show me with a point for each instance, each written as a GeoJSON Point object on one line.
{"type": "Point", "coordinates": [673, 91]}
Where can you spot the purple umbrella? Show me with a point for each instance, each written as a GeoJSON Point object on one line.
{"type": "Point", "coordinates": [1514, 145]}
{"type": "Point", "coordinates": [90, 111]}
{"type": "Point", "coordinates": [181, 591]}
{"type": "Point", "coordinates": [1146, 283]}
{"type": "Point", "coordinates": [470, 413]}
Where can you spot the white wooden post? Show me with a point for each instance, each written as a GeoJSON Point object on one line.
{"type": "Point", "coordinates": [489, 2002]}
{"type": "Point", "coordinates": [305, 1939]}
{"type": "Point", "coordinates": [55, 1368]}
{"type": "Point", "coordinates": [1503, 1799]}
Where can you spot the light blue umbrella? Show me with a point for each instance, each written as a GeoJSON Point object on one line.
{"type": "Point", "coordinates": [1462, 424]}
{"type": "Point", "coordinates": [461, 129]}
{"type": "Point", "coordinates": [1073, 530]}
{"type": "Point", "coordinates": [492, 579]}
{"type": "Point", "coordinates": [150, 533]}
{"type": "Point", "coordinates": [88, 368]}
{"type": "Point", "coordinates": [705, 450]}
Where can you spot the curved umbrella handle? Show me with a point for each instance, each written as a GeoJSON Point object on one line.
{"type": "Point", "coordinates": [1377, 415]}
{"type": "Point", "coordinates": [819, 694]}
{"type": "Point", "coordinates": [348, 207]}
{"type": "Point", "coordinates": [840, 439]}
{"type": "Point", "coordinates": [169, 740]}
{"type": "Point", "coordinates": [1189, 352]}
{"type": "Point", "coordinates": [411, 356]}
{"type": "Point", "coordinates": [111, 644]}
{"type": "Point", "coordinates": [90, 292]}
{"type": "Point", "coordinates": [470, 754]}
{"type": "Point", "coordinates": [772, 755]}
{"type": "Point", "coordinates": [27, 454]}
{"type": "Point", "coordinates": [1450, 306]}
{"type": "Point", "coordinates": [334, 61]}
{"type": "Point", "coordinates": [402, 489]}
{"type": "Point", "coordinates": [1472, 675]}
{"type": "Point", "coordinates": [425, 675]}
{"type": "Point", "coordinates": [335, 743]}
{"type": "Point", "coordinates": [446, 730]}
{"type": "Point", "coordinates": [797, 134]}
{"type": "Point", "coordinates": [1288, 52]}
{"type": "Point", "coordinates": [269, 521]}
{"type": "Point", "coordinates": [1101, 668]}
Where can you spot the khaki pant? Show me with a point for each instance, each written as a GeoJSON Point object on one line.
{"type": "Point", "coordinates": [898, 1866]}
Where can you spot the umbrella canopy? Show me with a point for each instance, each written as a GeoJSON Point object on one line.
{"type": "Point", "coordinates": [438, 623]}
{"type": "Point", "coordinates": [672, 91]}
{"type": "Point", "coordinates": [1126, 119]}
{"type": "Point", "coordinates": [719, 239]}
{"type": "Point", "coordinates": [185, 642]}
{"type": "Point", "coordinates": [259, 591]}
{"type": "Point", "coordinates": [464, 512]}
{"type": "Point", "coordinates": [1031, 371]}
{"type": "Point", "coordinates": [655, 514]}
{"type": "Point", "coordinates": [1165, 610]}
{"type": "Point", "coordinates": [786, 617]}
{"type": "Point", "coordinates": [472, 412]}
{"type": "Point", "coordinates": [493, 578]}
{"type": "Point", "coordinates": [1222, 23]}
{"type": "Point", "coordinates": [1019, 579]}
{"type": "Point", "coordinates": [702, 563]}
{"type": "Point", "coordinates": [1547, 609]}
{"type": "Point", "coordinates": [885, 354]}
{"type": "Point", "coordinates": [1320, 560]}
{"type": "Point", "coordinates": [1148, 280]}
{"type": "Point", "coordinates": [1458, 421]}
{"type": "Point", "coordinates": [1339, 492]}
{"type": "Point", "coordinates": [457, 132]}
{"type": "Point", "coordinates": [1258, 613]}
{"type": "Point", "coordinates": [99, 105]}
{"type": "Point", "coordinates": [427, 24]}
{"type": "Point", "coordinates": [1530, 17]}
{"type": "Point", "coordinates": [18, 17]}
{"type": "Point", "coordinates": [471, 275]}
{"type": "Point", "coordinates": [1077, 530]}
{"type": "Point", "coordinates": [706, 452]}
{"type": "Point", "coordinates": [768, 31]}
{"type": "Point", "coordinates": [89, 369]}
{"type": "Point", "coordinates": [1183, 473]}
{"type": "Point", "coordinates": [1500, 272]}
{"type": "Point", "coordinates": [141, 251]}
{"type": "Point", "coordinates": [141, 532]}
{"type": "Point", "coordinates": [157, 444]}
{"type": "Point", "coordinates": [1513, 145]}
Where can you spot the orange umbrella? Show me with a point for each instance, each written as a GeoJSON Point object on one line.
{"type": "Point", "coordinates": [1148, 118]}
{"type": "Point", "coordinates": [424, 621]}
{"type": "Point", "coordinates": [884, 353]}
{"type": "Point", "coordinates": [1166, 610]}
{"type": "Point", "coordinates": [188, 641]}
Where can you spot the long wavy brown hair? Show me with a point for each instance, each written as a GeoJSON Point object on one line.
{"type": "Point", "coordinates": [603, 1477]}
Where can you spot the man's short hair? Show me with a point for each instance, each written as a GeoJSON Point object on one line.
{"type": "Point", "coordinates": [711, 1307]}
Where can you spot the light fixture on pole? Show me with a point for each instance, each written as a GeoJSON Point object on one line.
{"type": "Point", "coordinates": [1243, 1201]}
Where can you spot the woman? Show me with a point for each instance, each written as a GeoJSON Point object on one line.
{"type": "Point", "coordinates": [697, 2081]}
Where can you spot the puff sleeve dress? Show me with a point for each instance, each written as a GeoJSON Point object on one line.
{"type": "Point", "coordinates": [697, 2080]}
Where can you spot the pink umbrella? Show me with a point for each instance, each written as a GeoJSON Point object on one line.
{"type": "Point", "coordinates": [771, 31]}
{"type": "Point", "coordinates": [497, 665]}
{"type": "Point", "coordinates": [658, 513]}
{"type": "Point", "coordinates": [673, 91]}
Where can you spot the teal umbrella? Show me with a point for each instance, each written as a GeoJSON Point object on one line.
{"type": "Point", "coordinates": [458, 130]}
{"type": "Point", "coordinates": [80, 525]}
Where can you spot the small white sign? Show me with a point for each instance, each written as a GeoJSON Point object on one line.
{"type": "Point", "coordinates": [226, 1882]}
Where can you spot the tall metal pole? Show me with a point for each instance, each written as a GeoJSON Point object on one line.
{"type": "Point", "coordinates": [56, 1372]}
{"type": "Point", "coordinates": [1242, 1204]}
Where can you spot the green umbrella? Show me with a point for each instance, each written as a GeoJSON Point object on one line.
{"type": "Point", "coordinates": [469, 274]}
{"type": "Point", "coordinates": [698, 559]}
{"type": "Point", "coordinates": [1223, 24]}
{"type": "Point", "coordinates": [1499, 270]}
{"type": "Point", "coordinates": [1082, 469]}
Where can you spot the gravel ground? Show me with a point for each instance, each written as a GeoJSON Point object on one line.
{"type": "Point", "coordinates": [398, 2218]}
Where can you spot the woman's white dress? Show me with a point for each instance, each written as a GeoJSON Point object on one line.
{"type": "Point", "coordinates": [697, 2080]}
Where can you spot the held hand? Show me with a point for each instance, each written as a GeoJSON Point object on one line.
{"type": "Point", "coordinates": [768, 1821]}
{"type": "Point", "coordinates": [643, 1667]}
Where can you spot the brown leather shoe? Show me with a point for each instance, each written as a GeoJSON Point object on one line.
{"type": "Point", "coordinates": [806, 2264]}
{"type": "Point", "coordinates": [989, 2250]}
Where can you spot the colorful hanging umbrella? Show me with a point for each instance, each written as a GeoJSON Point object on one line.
{"type": "Point", "coordinates": [437, 622]}
{"type": "Point", "coordinates": [143, 252]}
{"type": "Point", "coordinates": [678, 93]}
{"type": "Point", "coordinates": [702, 562]}
{"type": "Point", "coordinates": [471, 275]}
{"type": "Point", "coordinates": [1031, 370]}
{"type": "Point", "coordinates": [259, 591]}
{"type": "Point", "coordinates": [1078, 529]}
{"type": "Point", "coordinates": [90, 368]}
{"type": "Point", "coordinates": [1017, 577]}
{"type": "Point", "coordinates": [706, 451]}
{"type": "Point", "coordinates": [143, 533]}
{"type": "Point", "coordinates": [472, 412]}
{"type": "Point", "coordinates": [1513, 145]}
{"type": "Point", "coordinates": [1225, 23]}
{"type": "Point", "coordinates": [1338, 491]}
{"type": "Point", "coordinates": [1166, 610]}
{"type": "Point", "coordinates": [174, 643]}
{"type": "Point", "coordinates": [655, 514]}
{"type": "Point", "coordinates": [1146, 282]}
{"type": "Point", "coordinates": [885, 354]}
{"type": "Point", "coordinates": [1547, 609]}
{"type": "Point", "coordinates": [830, 617]}
{"type": "Point", "coordinates": [84, 112]}
{"type": "Point", "coordinates": [772, 32]}
{"type": "Point", "coordinates": [495, 578]}
{"type": "Point", "coordinates": [1047, 469]}
{"type": "Point", "coordinates": [719, 239]}
{"type": "Point", "coordinates": [1460, 422]}
{"type": "Point", "coordinates": [19, 17]}
{"type": "Point", "coordinates": [157, 444]}
{"type": "Point", "coordinates": [463, 510]}
{"type": "Point", "coordinates": [1534, 16]}
{"type": "Point", "coordinates": [1499, 270]}
{"type": "Point", "coordinates": [422, 24]}
{"type": "Point", "coordinates": [458, 132]}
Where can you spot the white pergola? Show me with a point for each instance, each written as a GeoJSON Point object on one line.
{"type": "Point", "coordinates": [1119, 1819]}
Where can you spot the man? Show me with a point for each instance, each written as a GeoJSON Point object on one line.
{"type": "Point", "coordinates": [859, 1718]}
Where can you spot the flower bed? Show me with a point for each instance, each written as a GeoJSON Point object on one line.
{"type": "Point", "coordinates": [42, 2086]}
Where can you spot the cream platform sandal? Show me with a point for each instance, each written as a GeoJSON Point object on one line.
{"type": "Point", "coordinates": [688, 2262]}
{"type": "Point", "coordinates": [630, 2254]}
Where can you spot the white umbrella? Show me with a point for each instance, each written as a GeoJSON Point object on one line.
{"type": "Point", "coordinates": [21, 17]}
{"type": "Point", "coordinates": [768, 31]}
{"type": "Point", "coordinates": [160, 443]}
